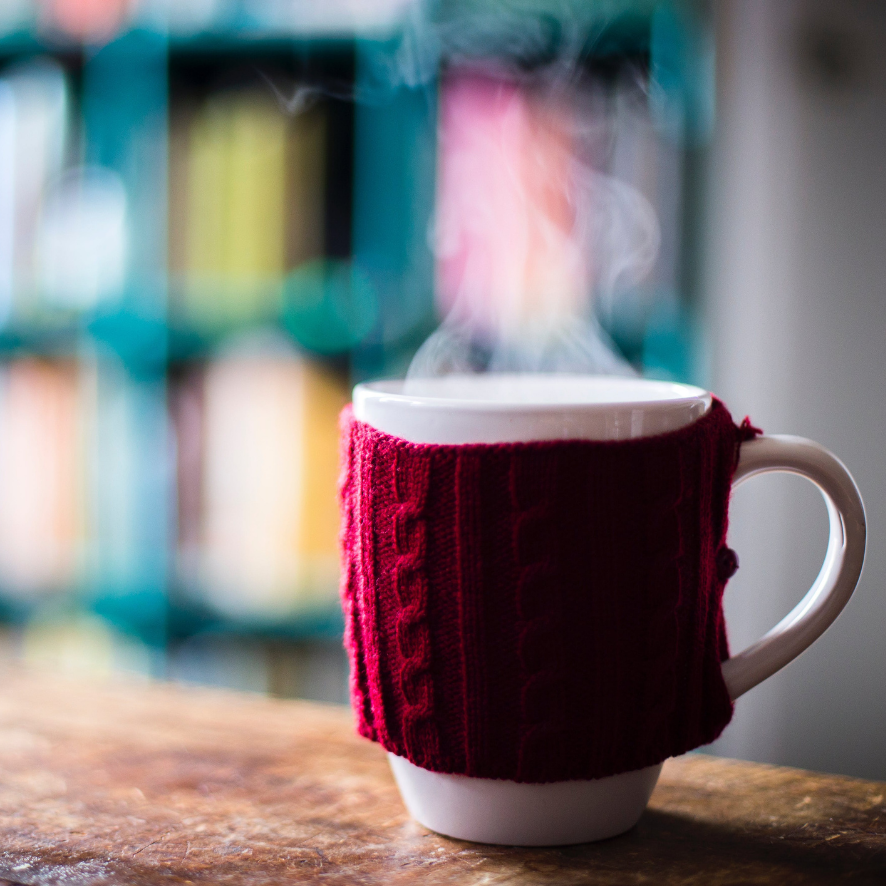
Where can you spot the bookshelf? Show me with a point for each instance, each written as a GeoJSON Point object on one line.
{"type": "Point", "coordinates": [197, 276]}
{"type": "Point", "coordinates": [221, 350]}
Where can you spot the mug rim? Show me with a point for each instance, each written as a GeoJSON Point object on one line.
{"type": "Point", "coordinates": [391, 392]}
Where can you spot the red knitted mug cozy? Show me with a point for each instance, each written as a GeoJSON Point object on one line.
{"type": "Point", "coordinates": [538, 611]}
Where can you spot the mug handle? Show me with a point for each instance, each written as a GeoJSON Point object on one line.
{"type": "Point", "coordinates": [839, 573]}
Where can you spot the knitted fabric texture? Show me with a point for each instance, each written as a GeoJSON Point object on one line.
{"type": "Point", "coordinates": [538, 611]}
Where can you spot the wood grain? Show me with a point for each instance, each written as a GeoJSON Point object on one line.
{"type": "Point", "coordinates": [144, 784]}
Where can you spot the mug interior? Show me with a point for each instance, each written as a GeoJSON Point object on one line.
{"type": "Point", "coordinates": [506, 408]}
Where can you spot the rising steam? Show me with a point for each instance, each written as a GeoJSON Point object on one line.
{"type": "Point", "coordinates": [527, 233]}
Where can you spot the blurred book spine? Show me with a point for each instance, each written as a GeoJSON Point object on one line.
{"type": "Point", "coordinates": [246, 204]}
{"type": "Point", "coordinates": [34, 135]}
{"type": "Point", "coordinates": [256, 442]}
{"type": "Point", "coordinates": [130, 479]}
{"type": "Point", "coordinates": [43, 508]}
{"type": "Point", "coordinates": [306, 186]}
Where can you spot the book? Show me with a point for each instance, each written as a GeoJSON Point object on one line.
{"type": "Point", "coordinates": [247, 194]}
{"type": "Point", "coordinates": [187, 415]}
{"type": "Point", "coordinates": [181, 117]}
{"type": "Point", "coordinates": [34, 135]}
{"type": "Point", "coordinates": [306, 186]}
{"type": "Point", "coordinates": [82, 241]}
{"type": "Point", "coordinates": [235, 236]}
{"type": "Point", "coordinates": [262, 542]}
{"type": "Point", "coordinates": [7, 200]}
{"type": "Point", "coordinates": [43, 505]}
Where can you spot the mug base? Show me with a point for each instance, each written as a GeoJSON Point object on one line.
{"type": "Point", "coordinates": [488, 810]}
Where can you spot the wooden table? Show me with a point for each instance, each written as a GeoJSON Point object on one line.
{"type": "Point", "coordinates": [137, 784]}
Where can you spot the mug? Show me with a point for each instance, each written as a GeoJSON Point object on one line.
{"type": "Point", "coordinates": [491, 409]}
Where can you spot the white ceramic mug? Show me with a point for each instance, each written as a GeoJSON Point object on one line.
{"type": "Point", "coordinates": [512, 408]}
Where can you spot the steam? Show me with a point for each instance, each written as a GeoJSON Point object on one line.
{"type": "Point", "coordinates": [529, 40]}
{"type": "Point", "coordinates": [575, 346]}
{"type": "Point", "coordinates": [526, 41]}
{"type": "Point", "coordinates": [528, 233]}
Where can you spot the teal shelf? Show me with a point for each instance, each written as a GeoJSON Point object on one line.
{"type": "Point", "coordinates": [158, 623]}
{"type": "Point", "coordinates": [146, 344]}
{"type": "Point", "coordinates": [23, 43]}
{"type": "Point", "coordinates": [51, 341]}
{"type": "Point", "coordinates": [231, 44]}
{"type": "Point", "coordinates": [186, 621]}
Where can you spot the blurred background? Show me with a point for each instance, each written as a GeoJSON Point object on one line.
{"type": "Point", "coordinates": [216, 216]}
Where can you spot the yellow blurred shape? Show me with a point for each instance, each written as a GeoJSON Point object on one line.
{"type": "Point", "coordinates": [254, 205]}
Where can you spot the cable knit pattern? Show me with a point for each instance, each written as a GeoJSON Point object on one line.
{"type": "Point", "coordinates": [534, 549]}
{"type": "Point", "coordinates": [410, 586]}
{"type": "Point", "coordinates": [538, 611]}
{"type": "Point", "coordinates": [668, 491]}
{"type": "Point", "coordinates": [471, 625]}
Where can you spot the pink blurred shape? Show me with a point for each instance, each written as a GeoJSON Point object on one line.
{"type": "Point", "coordinates": [87, 20]}
{"type": "Point", "coordinates": [510, 250]}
